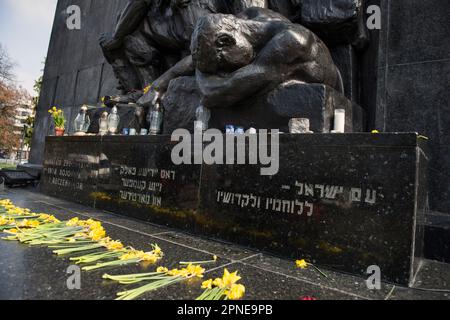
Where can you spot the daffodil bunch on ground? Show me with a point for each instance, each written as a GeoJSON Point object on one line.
{"type": "Point", "coordinates": [13, 218]}
{"type": "Point", "coordinates": [71, 237]}
{"type": "Point", "coordinates": [124, 257]}
{"type": "Point", "coordinates": [73, 234]}
{"type": "Point", "coordinates": [225, 288]}
{"type": "Point", "coordinates": [108, 252]}
{"type": "Point", "coordinates": [161, 278]}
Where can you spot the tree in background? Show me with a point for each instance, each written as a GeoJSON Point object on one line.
{"type": "Point", "coordinates": [29, 124]}
{"type": "Point", "coordinates": [11, 96]}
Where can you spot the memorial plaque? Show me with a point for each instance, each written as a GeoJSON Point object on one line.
{"type": "Point", "coordinates": [137, 178]}
{"type": "Point", "coordinates": [71, 168]}
{"type": "Point", "coordinates": [345, 201]}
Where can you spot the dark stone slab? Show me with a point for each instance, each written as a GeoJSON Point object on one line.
{"type": "Point", "coordinates": [346, 60]}
{"type": "Point", "coordinates": [417, 31]}
{"type": "Point", "coordinates": [413, 77]}
{"type": "Point", "coordinates": [422, 87]}
{"type": "Point", "coordinates": [336, 22]}
{"type": "Point", "coordinates": [437, 237]}
{"type": "Point", "coordinates": [180, 103]}
{"type": "Point", "coordinates": [137, 177]}
{"type": "Point", "coordinates": [71, 168]}
{"type": "Point", "coordinates": [312, 207]}
{"type": "Point", "coordinates": [265, 277]}
{"type": "Point", "coordinates": [346, 201]}
{"type": "Point", "coordinates": [292, 100]}
{"type": "Point", "coordinates": [36, 273]}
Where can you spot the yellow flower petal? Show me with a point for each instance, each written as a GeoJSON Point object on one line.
{"type": "Point", "coordinates": [302, 264]}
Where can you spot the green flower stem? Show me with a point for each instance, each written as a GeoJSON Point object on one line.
{"type": "Point", "coordinates": [111, 264]}
{"type": "Point", "coordinates": [69, 245]}
{"type": "Point", "coordinates": [77, 249]}
{"type": "Point", "coordinates": [135, 293]}
{"type": "Point", "coordinates": [212, 294]}
{"type": "Point", "coordinates": [129, 276]}
{"type": "Point", "coordinates": [11, 216]}
{"type": "Point", "coordinates": [198, 262]}
{"type": "Point", "coordinates": [94, 257]}
{"type": "Point", "coordinates": [320, 271]}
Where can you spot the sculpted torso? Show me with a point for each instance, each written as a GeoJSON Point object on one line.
{"type": "Point", "coordinates": [170, 26]}
{"type": "Point", "coordinates": [238, 57]}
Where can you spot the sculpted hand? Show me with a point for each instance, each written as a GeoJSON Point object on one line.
{"type": "Point", "coordinates": [108, 42]}
{"type": "Point", "coordinates": [152, 97]}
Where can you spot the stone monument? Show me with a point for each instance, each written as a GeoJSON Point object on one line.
{"type": "Point", "coordinates": [252, 64]}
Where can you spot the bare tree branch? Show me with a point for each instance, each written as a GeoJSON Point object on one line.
{"type": "Point", "coordinates": [6, 66]}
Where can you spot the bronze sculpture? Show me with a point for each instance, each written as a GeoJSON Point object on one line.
{"type": "Point", "coordinates": [236, 59]}
{"type": "Point", "coordinates": [151, 36]}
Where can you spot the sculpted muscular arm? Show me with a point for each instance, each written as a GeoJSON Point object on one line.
{"type": "Point", "coordinates": [272, 66]}
{"type": "Point", "coordinates": [129, 20]}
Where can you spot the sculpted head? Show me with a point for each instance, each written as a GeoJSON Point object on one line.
{"type": "Point", "coordinates": [220, 44]}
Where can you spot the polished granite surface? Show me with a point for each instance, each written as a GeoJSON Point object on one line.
{"type": "Point", "coordinates": [343, 201]}
{"type": "Point", "coordinates": [35, 273]}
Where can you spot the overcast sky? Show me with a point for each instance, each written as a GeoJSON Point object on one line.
{"type": "Point", "coordinates": [25, 28]}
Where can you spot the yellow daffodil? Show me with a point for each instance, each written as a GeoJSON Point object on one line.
{"type": "Point", "coordinates": [228, 286]}
{"type": "Point", "coordinates": [236, 292]}
{"type": "Point", "coordinates": [48, 218]}
{"type": "Point", "coordinates": [157, 250]}
{"type": "Point", "coordinates": [207, 284]}
{"type": "Point", "coordinates": [28, 224]}
{"type": "Point", "coordinates": [229, 279]}
{"type": "Point", "coordinates": [162, 270]}
{"type": "Point", "coordinates": [147, 89]}
{"type": "Point", "coordinates": [5, 222]}
{"type": "Point", "coordinates": [80, 235]}
{"type": "Point", "coordinates": [302, 264]}
{"type": "Point", "coordinates": [73, 222]}
{"type": "Point", "coordinates": [111, 244]}
{"type": "Point", "coordinates": [218, 282]}
{"type": "Point", "coordinates": [188, 272]}
{"type": "Point", "coordinates": [149, 257]}
{"type": "Point", "coordinates": [195, 271]}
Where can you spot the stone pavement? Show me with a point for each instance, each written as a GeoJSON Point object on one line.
{"type": "Point", "coordinates": [35, 273]}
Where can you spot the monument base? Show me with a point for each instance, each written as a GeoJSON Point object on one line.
{"type": "Point", "coordinates": [345, 201]}
{"type": "Point", "coordinates": [273, 109]}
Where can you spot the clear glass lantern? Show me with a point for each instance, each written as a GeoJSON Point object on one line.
{"type": "Point", "coordinates": [103, 124]}
{"type": "Point", "coordinates": [202, 115]}
{"type": "Point", "coordinates": [155, 118]}
{"type": "Point", "coordinates": [82, 122]}
{"type": "Point", "coordinates": [113, 121]}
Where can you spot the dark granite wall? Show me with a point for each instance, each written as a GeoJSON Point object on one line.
{"type": "Point", "coordinates": [75, 71]}
{"type": "Point", "coordinates": [413, 82]}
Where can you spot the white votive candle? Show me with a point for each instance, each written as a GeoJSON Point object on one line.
{"type": "Point", "coordinates": [339, 120]}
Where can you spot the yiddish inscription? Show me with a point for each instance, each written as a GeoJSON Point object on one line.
{"type": "Point", "coordinates": [144, 185]}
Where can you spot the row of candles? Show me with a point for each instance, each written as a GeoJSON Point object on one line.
{"type": "Point", "coordinates": [109, 123]}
